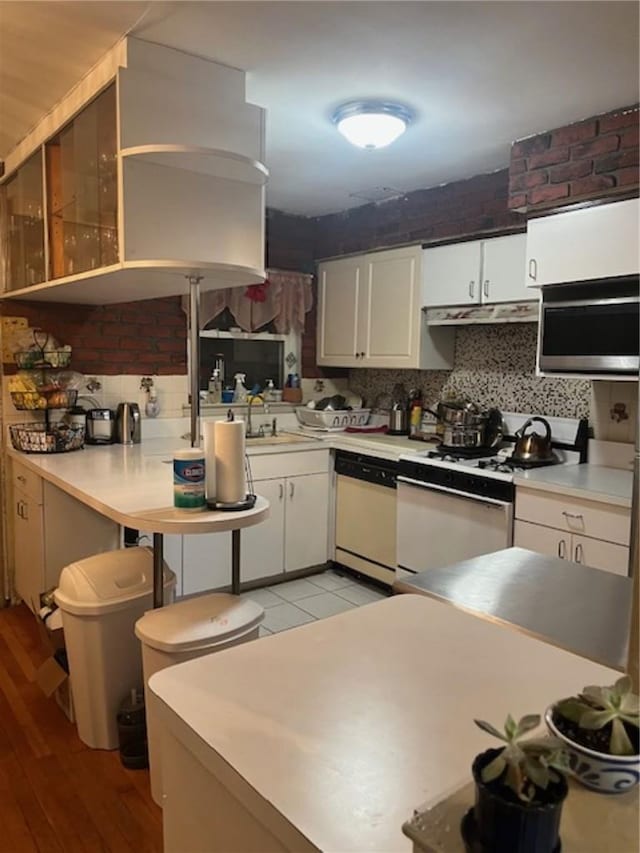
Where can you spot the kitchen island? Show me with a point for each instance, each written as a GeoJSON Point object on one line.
{"type": "Point", "coordinates": [327, 736]}
{"type": "Point", "coordinates": [583, 610]}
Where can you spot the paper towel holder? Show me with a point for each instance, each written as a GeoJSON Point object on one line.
{"type": "Point", "coordinates": [250, 498]}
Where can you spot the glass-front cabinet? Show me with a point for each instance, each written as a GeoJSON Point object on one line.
{"type": "Point", "coordinates": [82, 198]}
{"type": "Point", "coordinates": [22, 223]}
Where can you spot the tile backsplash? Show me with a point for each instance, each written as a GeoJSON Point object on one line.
{"type": "Point", "coordinates": [495, 366]}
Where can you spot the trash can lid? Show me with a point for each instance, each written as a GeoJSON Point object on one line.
{"type": "Point", "coordinates": [107, 581]}
{"type": "Point", "coordinates": [199, 622]}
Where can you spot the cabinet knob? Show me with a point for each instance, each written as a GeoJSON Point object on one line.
{"type": "Point", "coordinates": [21, 479]}
{"type": "Point", "coordinates": [486, 288]}
{"type": "Point", "coordinates": [472, 287]}
{"type": "Point", "coordinates": [562, 549]}
{"type": "Point", "coordinates": [533, 269]}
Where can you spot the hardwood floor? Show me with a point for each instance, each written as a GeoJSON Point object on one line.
{"type": "Point", "coordinates": [56, 794]}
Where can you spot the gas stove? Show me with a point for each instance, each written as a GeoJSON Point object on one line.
{"type": "Point", "coordinates": [475, 471]}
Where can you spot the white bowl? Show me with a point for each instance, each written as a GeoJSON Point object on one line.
{"type": "Point", "coordinates": [608, 774]}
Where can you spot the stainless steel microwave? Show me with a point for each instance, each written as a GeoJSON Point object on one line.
{"type": "Point", "coordinates": [590, 327]}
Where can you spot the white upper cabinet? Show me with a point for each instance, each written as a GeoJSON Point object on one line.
{"type": "Point", "coordinates": [583, 244]}
{"type": "Point", "coordinates": [370, 314]}
{"type": "Point", "coordinates": [475, 273]}
{"type": "Point", "coordinates": [148, 173]}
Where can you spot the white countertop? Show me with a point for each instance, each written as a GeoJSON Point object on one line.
{"type": "Point", "coordinates": [591, 482]}
{"type": "Point", "coordinates": [342, 727]}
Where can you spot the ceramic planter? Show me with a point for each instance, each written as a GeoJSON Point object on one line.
{"type": "Point", "coordinates": [500, 825]}
{"type": "Point", "coordinates": [608, 774]}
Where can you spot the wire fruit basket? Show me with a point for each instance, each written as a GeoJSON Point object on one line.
{"type": "Point", "coordinates": [33, 359]}
{"type": "Point", "coordinates": [42, 438]}
{"type": "Point", "coordinates": [55, 398]}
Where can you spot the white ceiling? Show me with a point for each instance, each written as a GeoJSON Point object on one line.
{"type": "Point", "coordinates": [478, 75]}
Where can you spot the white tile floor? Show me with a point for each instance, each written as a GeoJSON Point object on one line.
{"type": "Point", "coordinates": [304, 600]}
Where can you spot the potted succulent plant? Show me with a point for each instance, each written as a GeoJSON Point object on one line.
{"type": "Point", "coordinates": [599, 728]}
{"type": "Point", "coordinates": [520, 790]}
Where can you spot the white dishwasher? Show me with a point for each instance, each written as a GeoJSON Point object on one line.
{"type": "Point", "coordinates": [366, 515]}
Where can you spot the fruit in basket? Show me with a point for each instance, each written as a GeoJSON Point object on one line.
{"type": "Point", "coordinates": [23, 383]}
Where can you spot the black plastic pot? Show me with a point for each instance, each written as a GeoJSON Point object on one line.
{"type": "Point", "coordinates": [500, 823]}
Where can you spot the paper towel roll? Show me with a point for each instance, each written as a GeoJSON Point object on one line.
{"type": "Point", "coordinates": [231, 483]}
{"type": "Point", "coordinates": [208, 431]}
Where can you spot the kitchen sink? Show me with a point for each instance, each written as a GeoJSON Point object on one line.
{"type": "Point", "coordinates": [281, 438]}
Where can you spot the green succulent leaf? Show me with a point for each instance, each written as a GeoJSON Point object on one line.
{"type": "Point", "coordinates": [487, 727]}
{"type": "Point", "coordinates": [619, 743]}
{"type": "Point", "coordinates": [571, 709]}
{"type": "Point", "coordinates": [592, 719]}
{"type": "Point", "coordinates": [542, 744]}
{"type": "Point", "coordinates": [622, 687]}
{"type": "Point", "coordinates": [527, 724]}
{"type": "Point", "coordinates": [630, 704]}
{"type": "Point", "coordinates": [537, 772]}
{"type": "Point", "coordinates": [510, 727]}
{"type": "Point", "coordinates": [494, 769]}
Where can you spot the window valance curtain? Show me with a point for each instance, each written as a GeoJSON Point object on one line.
{"type": "Point", "coordinates": [283, 299]}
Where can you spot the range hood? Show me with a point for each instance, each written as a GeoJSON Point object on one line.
{"type": "Point", "coordinates": [500, 312]}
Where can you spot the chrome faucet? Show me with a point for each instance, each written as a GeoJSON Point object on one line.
{"type": "Point", "coordinates": [249, 433]}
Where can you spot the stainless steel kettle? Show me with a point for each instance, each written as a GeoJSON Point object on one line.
{"type": "Point", "coordinates": [532, 447]}
{"type": "Point", "coordinates": [128, 423]}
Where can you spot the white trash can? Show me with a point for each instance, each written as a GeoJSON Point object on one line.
{"type": "Point", "coordinates": [101, 597]}
{"type": "Point", "coordinates": [181, 632]}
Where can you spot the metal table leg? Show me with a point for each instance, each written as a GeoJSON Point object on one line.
{"type": "Point", "coordinates": [158, 570]}
{"type": "Point", "coordinates": [235, 562]}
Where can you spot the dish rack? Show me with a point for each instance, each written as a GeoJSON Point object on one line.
{"type": "Point", "coordinates": [332, 420]}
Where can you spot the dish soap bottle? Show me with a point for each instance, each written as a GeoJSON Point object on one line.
{"type": "Point", "coordinates": [240, 392]}
{"type": "Point", "coordinates": [269, 392]}
{"type": "Point", "coordinates": [214, 394]}
{"type": "Point", "coordinates": [152, 406]}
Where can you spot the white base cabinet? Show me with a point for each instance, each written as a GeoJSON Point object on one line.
{"type": "Point", "coordinates": [41, 517]}
{"type": "Point", "coordinates": [477, 272]}
{"type": "Point", "coordinates": [584, 244]}
{"type": "Point", "coordinates": [294, 536]}
{"type": "Point", "coordinates": [582, 531]}
{"type": "Point", "coordinates": [369, 314]}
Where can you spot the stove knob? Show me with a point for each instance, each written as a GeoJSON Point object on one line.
{"type": "Point", "coordinates": [482, 463]}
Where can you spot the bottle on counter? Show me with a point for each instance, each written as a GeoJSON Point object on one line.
{"type": "Point", "coordinates": [240, 392]}
{"type": "Point", "coordinates": [415, 412]}
{"type": "Point", "coordinates": [214, 394]}
{"type": "Point", "coordinates": [152, 406]}
{"type": "Point", "coordinates": [269, 394]}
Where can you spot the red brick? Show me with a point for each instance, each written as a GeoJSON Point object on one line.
{"type": "Point", "coordinates": [549, 158]}
{"type": "Point", "coordinates": [528, 180]}
{"type": "Point", "coordinates": [531, 145]}
{"type": "Point", "coordinates": [574, 133]}
{"type": "Point", "coordinates": [617, 160]}
{"type": "Point", "coordinates": [616, 121]}
{"type": "Point", "coordinates": [136, 344]}
{"type": "Point", "coordinates": [627, 177]}
{"type": "Point", "coordinates": [592, 184]}
{"type": "Point", "coordinates": [601, 145]}
{"type": "Point", "coordinates": [539, 195]}
{"type": "Point", "coordinates": [171, 346]}
{"type": "Point", "coordinates": [630, 138]}
{"type": "Point", "coordinates": [518, 200]}
{"type": "Point", "coordinates": [517, 167]}
{"type": "Point", "coordinates": [570, 171]}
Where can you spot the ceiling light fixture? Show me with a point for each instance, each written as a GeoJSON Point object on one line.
{"type": "Point", "coordinates": [371, 124]}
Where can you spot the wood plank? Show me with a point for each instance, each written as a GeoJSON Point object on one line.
{"type": "Point", "coordinates": [40, 828]}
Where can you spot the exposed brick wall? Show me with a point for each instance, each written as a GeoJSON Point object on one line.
{"type": "Point", "coordinates": [134, 337]}
{"type": "Point", "coordinates": [290, 241]}
{"type": "Point", "coordinates": [592, 159]}
{"type": "Point", "coordinates": [458, 209]}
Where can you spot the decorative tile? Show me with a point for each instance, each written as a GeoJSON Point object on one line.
{"type": "Point", "coordinates": [493, 366]}
{"type": "Point", "coordinates": [325, 604]}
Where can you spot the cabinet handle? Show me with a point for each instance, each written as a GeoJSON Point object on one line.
{"type": "Point", "coordinates": [292, 489]}
{"type": "Point", "coordinates": [486, 288]}
{"type": "Point", "coordinates": [281, 490]}
{"type": "Point", "coordinates": [357, 355]}
{"type": "Point", "coordinates": [575, 516]}
{"type": "Point", "coordinates": [25, 511]}
{"type": "Point", "coordinates": [472, 287]}
{"type": "Point", "coordinates": [578, 554]}
{"type": "Point", "coordinates": [562, 549]}
{"type": "Point", "coordinates": [533, 269]}
{"type": "Point", "coordinates": [19, 509]}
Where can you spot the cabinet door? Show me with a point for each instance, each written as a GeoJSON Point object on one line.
{"type": "Point", "coordinates": [542, 540]}
{"type": "Point", "coordinates": [28, 539]}
{"type": "Point", "coordinates": [600, 555]}
{"type": "Point", "coordinates": [306, 521]}
{"type": "Point", "coordinates": [206, 562]}
{"type": "Point", "coordinates": [339, 284]}
{"type": "Point", "coordinates": [391, 306]}
{"type": "Point", "coordinates": [578, 245]}
{"type": "Point", "coordinates": [451, 274]}
{"type": "Point", "coordinates": [503, 269]}
{"type": "Point", "coordinates": [262, 546]}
